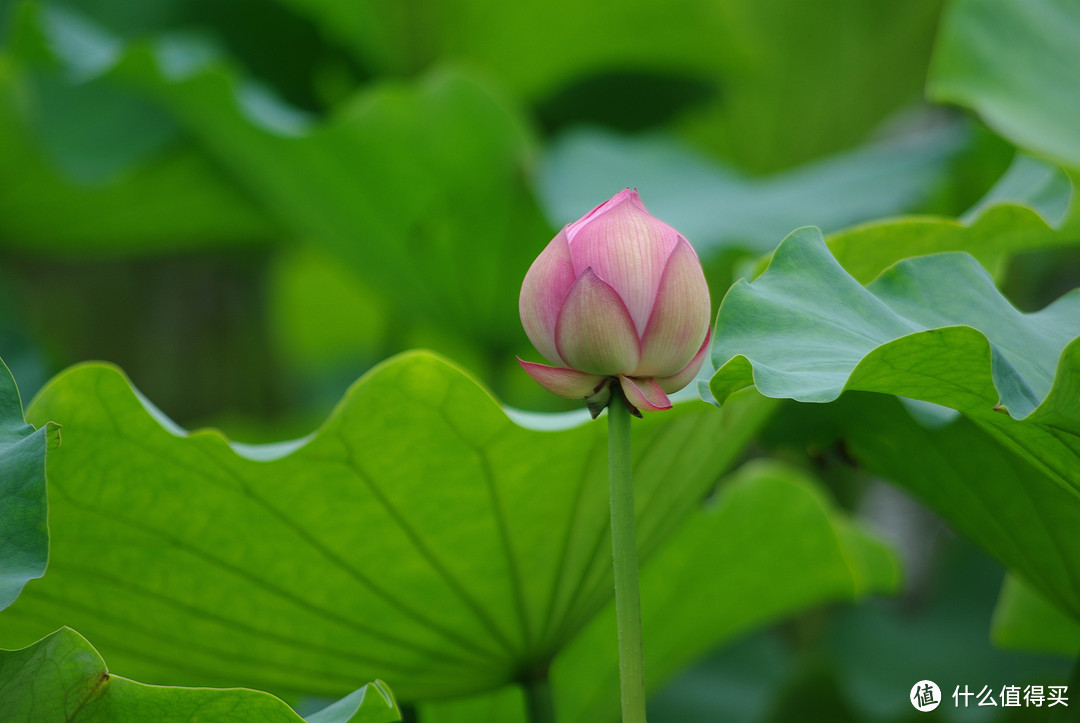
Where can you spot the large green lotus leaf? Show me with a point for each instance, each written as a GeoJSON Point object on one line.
{"type": "Point", "coordinates": [932, 328]}
{"type": "Point", "coordinates": [769, 544]}
{"type": "Point", "coordinates": [794, 59]}
{"type": "Point", "coordinates": [1025, 620]}
{"type": "Point", "coordinates": [24, 534]}
{"type": "Point", "coordinates": [413, 205]}
{"type": "Point", "coordinates": [712, 204]}
{"type": "Point", "coordinates": [420, 535]}
{"type": "Point", "coordinates": [1016, 63]}
{"type": "Point", "coordinates": [91, 133]}
{"type": "Point", "coordinates": [62, 679]}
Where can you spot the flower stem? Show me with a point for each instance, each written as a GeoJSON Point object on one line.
{"type": "Point", "coordinates": [624, 554]}
{"type": "Point", "coordinates": [538, 699]}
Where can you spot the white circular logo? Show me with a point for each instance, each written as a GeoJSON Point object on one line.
{"type": "Point", "coordinates": [925, 695]}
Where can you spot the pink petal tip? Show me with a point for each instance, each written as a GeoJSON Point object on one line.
{"type": "Point", "coordinates": [644, 393]}
{"type": "Point", "coordinates": [568, 383]}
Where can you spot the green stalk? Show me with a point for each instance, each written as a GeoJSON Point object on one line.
{"type": "Point", "coordinates": [538, 699]}
{"type": "Point", "coordinates": [624, 554]}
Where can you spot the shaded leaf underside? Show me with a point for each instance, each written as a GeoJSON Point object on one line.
{"type": "Point", "coordinates": [986, 492]}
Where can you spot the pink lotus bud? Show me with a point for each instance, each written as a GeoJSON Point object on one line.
{"type": "Point", "coordinates": [617, 295]}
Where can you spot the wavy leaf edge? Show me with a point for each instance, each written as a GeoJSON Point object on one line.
{"type": "Point", "coordinates": [739, 371]}
{"type": "Point", "coordinates": [272, 451]}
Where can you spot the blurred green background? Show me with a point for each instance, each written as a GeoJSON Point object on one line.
{"type": "Point", "coordinates": [247, 205]}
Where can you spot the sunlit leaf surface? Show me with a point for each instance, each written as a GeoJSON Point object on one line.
{"type": "Point", "coordinates": [419, 536]}
{"type": "Point", "coordinates": [769, 544]}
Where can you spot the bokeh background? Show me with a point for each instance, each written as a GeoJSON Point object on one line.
{"type": "Point", "coordinates": [247, 205]}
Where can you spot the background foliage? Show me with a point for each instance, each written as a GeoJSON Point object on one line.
{"type": "Point", "coordinates": [249, 206]}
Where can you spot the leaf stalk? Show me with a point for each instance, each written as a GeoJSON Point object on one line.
{"type": "Point", "coordinates": [624, 555]}
{"type": "Point", "coordinates": [539, 699]}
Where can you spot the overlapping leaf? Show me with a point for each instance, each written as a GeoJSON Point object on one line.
{"type": "Point", "coordinates": [712, 204]}
{"type": "Point", "coordinates": [762, 66]}
{"type": "Point", "coordinates": [24, 534]}
{"type": "Point", "coordinates": [420, 536]}
{"type": "Point", "coordinates": [1038, 184]}
{"type": "Point", "coordinates": [76, 173]}
{"type": "Point", "coordinates": [1030, 208]}
{"type": "Point", "coordinates": [992, 237]}
{"type": "Point", "coordinates": [1015, 62]}
{"type": "Point", "coordinates": [413, 206]}
{"type": "Point", "coordinates": [62, 678]}
{"type": "Point", "coordinates": [932, 328]}
{"type": "Point", "coordinates": [768, 545]}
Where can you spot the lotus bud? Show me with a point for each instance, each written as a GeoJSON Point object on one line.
{"type": "Point", "coordinates": [618, 296]}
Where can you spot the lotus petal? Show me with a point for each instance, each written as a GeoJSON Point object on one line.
{"type": "Point", "coordinates": [542, 292]}
{"type": "Point", "coordinates": [685, 375]}
{"type": "Point", "coordinates": [569, 383]}
{"type": "Point", "coordinates": [644, 393]}
{"type": "Point", "coordinates": [594, 333]}
{"type": "Point", "coordinates": [626, 247]}
{"type": "Point", "coordinates": [680, 316]}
